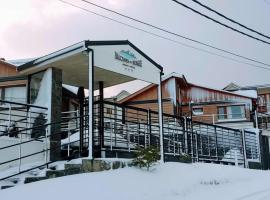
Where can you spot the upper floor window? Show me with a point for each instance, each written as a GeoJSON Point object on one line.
{"type": "Point", "coordinates": [231, 112]}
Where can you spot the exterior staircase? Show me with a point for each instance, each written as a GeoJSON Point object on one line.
{"type": "Point", "coordinates": [85, 166]}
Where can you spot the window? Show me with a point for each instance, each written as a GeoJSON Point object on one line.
{"type": "Point", "coordinates": [16, 94]}
{"type": "Point", "coordinates": [109, 111]}
{"type": "Point", "coordinates": [222, 113]}
{"type": "Point", "coordinates": [231, 112]}
{"type": "Point", "coordinates": [35, 84]}
{"type": "Point", "coordinates": [197, 111]}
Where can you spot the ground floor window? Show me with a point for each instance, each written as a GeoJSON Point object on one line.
{"type": "Point", "coordinates": [14, 93]}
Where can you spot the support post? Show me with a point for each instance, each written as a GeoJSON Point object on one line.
{"type": "Point", "coordinates": [101, 115]}
{"type": "Point", "coordinates": [256, 119]}
{"type": "Point", "coordinates": [160, 118]}
{"type": "Point", "coordinates": [55, 114]}
{"type": "Point", "coordinates": [244, 148]}
{"type": "Point", "coordinates": [90, 103]}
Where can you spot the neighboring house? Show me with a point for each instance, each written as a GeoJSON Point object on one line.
{"type": "Point", "coordinates": [12, 86]}
{"type": "Point", "coordinates": [110, 110]}
{"type": "Point", "coordinates": [207, 104]}
{"type": "Point", "coordinates": [263, 91]}
{"type": "Point", "coordinates": [262, 105]}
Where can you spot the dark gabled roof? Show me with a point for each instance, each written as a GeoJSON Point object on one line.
{"type": "Point", "coordinates": [87, 44]}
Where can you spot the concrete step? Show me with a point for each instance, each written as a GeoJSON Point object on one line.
{"type": "Point", "coordinates": [6, 186]}
{"type": "Point", "coordinates": [71, 169]}
{"type": "Point", "coordinates": [34, 179]}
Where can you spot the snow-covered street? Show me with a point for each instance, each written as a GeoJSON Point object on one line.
{"type": "Point", "coordinates": [170, 181]}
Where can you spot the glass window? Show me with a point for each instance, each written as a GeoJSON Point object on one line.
{"type": "Point", "coordinates": [236, 112]}
{"type": "Point", "coordinates": [197, 111]}
{"type": "Point", "coordinates": [16, 94]}
{"type": "Point", "coordinates": [35, 83]}
{"type": "Point", "coordinates": [231, 112]}
{"type": "Point", "coordinates": [222, 113]}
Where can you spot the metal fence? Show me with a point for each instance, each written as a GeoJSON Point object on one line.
{"type": "Point", "coordinates": [124, 128]}
{"type": "Point", "coordinates": [17, 116]}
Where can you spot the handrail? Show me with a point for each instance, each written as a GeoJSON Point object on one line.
{"type": "Point", "coordinates": [45, 164]}
{"type": "Point", "coordinates": [23, 104]}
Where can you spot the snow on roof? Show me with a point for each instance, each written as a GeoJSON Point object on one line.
{"type": "Point", "coordinates": [74, 89]}
{"type": "Point", "coordinates": [71, 88]}
{"type": "Point", "coordinates": [173, 74]}
{"type": "Point", "coordinates": [18, 62]}
{"type": "Point", "coordinates": [248, 93]}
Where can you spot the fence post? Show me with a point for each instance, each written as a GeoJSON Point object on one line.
{"type": "Point", "coordinates": [213, 119]}
{"type": "Point", "coordinates": [216, 142]}
{"type": "Point", "coordinates": [68, 142]}
{"type": "Point", "coordinates": [128, 137]}
{"type": "Point", "coordinates": [9, 116]}
{"type": "Point", "coordinates": [197, 151]}
{"type": "Point", "coordinates": [111, 125]}
{"type": "Point", "coordinates": [186, 135]}
{"type": "Point", "coordinates": [256, 119]}
{"type": "Point", "coordinates": [46, 147]}
{"type": "Point", "coordinates": [20, 153]}
{"type": "Point", "coordinates": [244, 148]}
{"type": "Point", "coordinates": [235, 158]}
{"type": "Point", "coordinates": [149, 124]}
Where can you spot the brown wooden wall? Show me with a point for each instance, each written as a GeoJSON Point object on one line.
{"type": "Point", "coordinates": [209, 110]}
{"type": "Point", "coordinates": [7, 69]}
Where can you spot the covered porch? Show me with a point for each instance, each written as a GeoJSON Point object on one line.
{"type": "Point", "coordinates": [95, 65]}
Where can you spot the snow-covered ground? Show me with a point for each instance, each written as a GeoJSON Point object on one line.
{"type": "Point", "coordinates": [165, 182]}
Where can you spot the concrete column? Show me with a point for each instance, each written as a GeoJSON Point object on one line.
{"type": "Point", "coordinates": [55, 114]}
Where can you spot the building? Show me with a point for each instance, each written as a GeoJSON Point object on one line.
{"type": "Point", "coordinates": [263, 91]}
{"type": "Point", "coordinates": [95, 65]}
{"type": "Point", "coordinates": [209, 105]}
{"type": "Point", "coordinates": [262, 104]}
{"type": "Point", "coordinates": [12, 86]}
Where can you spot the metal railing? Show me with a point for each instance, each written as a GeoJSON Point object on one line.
{"type": "Point", "coordinates": [15, 116]}
{"type": "Point", "coordinates": [264, 121]}
{"type": "Point", "coordinates": [126, 128]}
{"type": "Point", "coordinates": [38, 156]}
{"type": "Point", "coordinates": [217, 118]}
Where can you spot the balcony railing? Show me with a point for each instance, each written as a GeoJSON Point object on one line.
{"type": "Point", "coordinates": [216, 118]}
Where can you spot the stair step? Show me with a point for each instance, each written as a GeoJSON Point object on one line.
{"type": "Point", "coordinates": [55, 174]}
{"type": "Point", "coordinates": [34, 179]}
{"type": "Point", "coordinates": [73, 166]}
{"type": "Point", "coordinates": [6, 186]}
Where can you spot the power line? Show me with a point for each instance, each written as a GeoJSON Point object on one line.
{"type": "Point", "coordinates": [230, 19]}
{"type": "Point", "coordinates": [175, 34]}
{"type": "Point", "coordinates": [220, 23]}
{"type": "Point", "coordinates": [163, 37]}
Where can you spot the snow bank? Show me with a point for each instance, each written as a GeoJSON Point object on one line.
{"type": "Point", "coordinates": [170, 181]}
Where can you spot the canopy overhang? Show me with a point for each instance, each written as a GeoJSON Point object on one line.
{"type": "Point", "coordinates": [114, 62]}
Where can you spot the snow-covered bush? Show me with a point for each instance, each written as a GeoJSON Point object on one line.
{"type": "Point", "coordinates": [185, 158]}
{"type": "Point", "coordinates": [146, 157]}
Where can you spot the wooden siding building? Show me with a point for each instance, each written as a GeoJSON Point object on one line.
{"type": "Point", "coordinates": [187, 99]}
{"type": "Point", "coordinates": [12, 87]}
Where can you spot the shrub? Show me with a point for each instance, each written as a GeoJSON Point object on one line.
{"type": "Point", "coordinates": [146, 157]}
{"type": "Point", "coordinates": [185, 158]}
